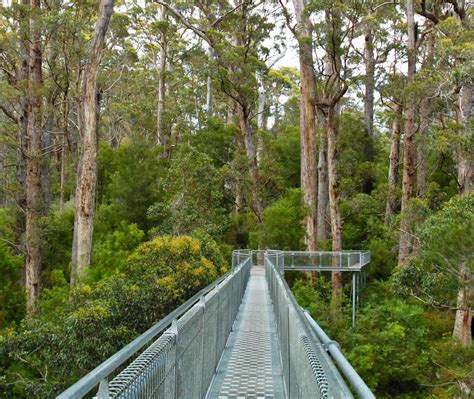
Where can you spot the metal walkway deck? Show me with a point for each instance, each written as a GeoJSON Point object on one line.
{"type": "Point", "coordinates": [250, 366]}
{"type": "Point", "coordinates": [242, 336]}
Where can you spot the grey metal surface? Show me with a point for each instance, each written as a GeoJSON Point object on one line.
{"type": "Point", "coordinates": [308, 370]}
{"type": "Point", "coordinates": [250, 366]}
{"type": "Point", "coordinates": [263, 346]}
{"type": "Point", "coordinates": [333, 348]}
{"type": "Point", "coordinates": [102, 372]}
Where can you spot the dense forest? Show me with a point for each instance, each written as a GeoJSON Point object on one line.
{"type": "Point", "coordinates": [141, 141]}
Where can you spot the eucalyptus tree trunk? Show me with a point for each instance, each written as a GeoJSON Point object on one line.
{"type": "Point", "coordinates": [335, 212]}
{"type": "Point", "coordinates": [247, 137]}
{"type": "Point", "coordinates": [261, 100]}
{"type": "Point", "coordinates": [463, 318]}
{"type": "Point", "coordinates": [369, 60]}
{"type": "Point", "coordinates": [209, 95]}
{"type": "Point", "coordinates": [34, 194]}
{"type": "Point", "coordinates": [87, 168]}
{"type": "Point", "coordinates": [409, 133]}
{"type": "Point", "coordinates": [394, 160]}
{"type": "Point", "coordinates": [323, 195]}
{"type": "Point", "coordinates": [464, 158]}
{"type": "Point", "coordinates": [23, 76]}
{"type": "Point", "coordinates": [424, 124]}
{"type": "Point", "coordinates": [260, 112]}
{"type": "Point", "coordinates": [47, 144]}
{"type": "Point", "coordinates": [425, 113]}
{"type": "Point", "coordinates": [304, 32]}
{"type": "Point", "coordinates": [160, 109]}
{"type": "Point", "coordinates": [465, 173]}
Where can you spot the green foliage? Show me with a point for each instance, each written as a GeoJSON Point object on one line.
{"type": "Point", "coordinates": [193, 196]}
{"type": "Point", "coordinates": [12, 295]}
{"type": "Point", "coordinates": [446, 241]}
{"type": "Point", "coordinates": [58, 227]}
{"type": "Point", "coordinates": [110, 253]}
{"type": "Point", "coordinates": [216, 140]}
{"type": "Point", "coordinates": [357, 149]}
{"type": "Point", "coordinates": [129, 179]}
{"type": "Point", "coordinates": [281, 160]}
{"type": "Point", "coordinates": [99, 319]}
{"type": "Point", "coordinates": [282, 223]}
{"type": "Point", "coordinates": [389, 347]}
{"type": "Point", "coordinates": [174, 263]}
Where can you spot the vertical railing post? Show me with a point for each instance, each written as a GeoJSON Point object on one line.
{"type": "Point", "coordinates": [174, 330]}
{"type": "Point", "coordinates": [202, 304]}
{"type": "Point", "coordinates": [103, 392]}
{"type": "Point", "coordinates": [353, 299]}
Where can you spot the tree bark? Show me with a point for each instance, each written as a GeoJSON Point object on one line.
{"type": "Point", "coordinates": [87, 168]}
{"type": "Point", "coordinates": [336, 219]}
{"type": "Point", "coordinates": [464, 158]}
{"type": "Point", "coordinates": [47, 143]}
{"type": "Point", "coordinates": [260, 112]}
{"type": "Point", "coordinates": [247, 137]}
{"type": "Point", "coordinates": [465, 173]}
{"type": "Point", "coordinates": [369, 82]}
{"type": "Point", "coordinates": [261, 100]}
{"type": "Point", "coordinates": [160, 109]}
{"type": "Point", "coordinates": [423, 130]}
{"type": "Point", "coordinates": [394, 159]}
{"type": "Point", "coordinates": [323, 195]}
{"type": "Point", "coordinates": [304, 32]}
{"type": "Point", "coordinates": [463, 319]}
{"type": "Point", "coordinates": [409, 133]}
{"type": "Point", "coordinates": [34, 195]}
{"type": "Point", "coordinates": [209, 96]}
{"type": "Point", "coordinates": [21, 154]}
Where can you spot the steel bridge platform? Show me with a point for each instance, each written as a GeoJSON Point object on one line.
{"type": "Point", "coordinates": [250, 366]}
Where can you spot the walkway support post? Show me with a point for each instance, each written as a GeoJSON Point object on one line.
{"type": "Point", "coordinates": [353, 299]}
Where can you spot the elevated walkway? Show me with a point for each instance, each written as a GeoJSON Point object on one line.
{"type": "Point", "coordinates": [243, 336]}
{"type": "Point", "coordinates": [250, 366]}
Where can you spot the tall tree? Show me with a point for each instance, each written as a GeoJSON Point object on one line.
{"type": "Point", "coordinates": [405, 245]}
{"type": "Point", "coordinates": [87, 168]}
{"type": "Point", "coordinates": [303, 32]}
{"type": "Point", "coordinates": [34, 194]}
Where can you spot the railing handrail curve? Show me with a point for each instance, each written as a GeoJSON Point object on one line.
{"type": "Point", "coordinates": [106, 368]}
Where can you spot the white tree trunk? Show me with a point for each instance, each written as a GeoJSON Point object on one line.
{"type": "Point", "coordinates": [307, 120]}
{"type": "Point", "coordinates": [87, 168]}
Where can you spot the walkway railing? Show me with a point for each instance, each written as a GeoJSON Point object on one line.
{"type": "Point", "coordinates": [308, 370]}
{"type": "Point", "coordinates": [181, 362]}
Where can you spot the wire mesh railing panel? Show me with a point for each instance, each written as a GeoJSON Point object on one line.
{"type": "Point", "coordinates": [307, 369]}
{"type": "Point", "coordinates": [181, 363]}
{"type": "Point", "coordinates": [150, 373]}
{"type": "Point", "coordinates": [189, 351]}
{"type": "Point", "coordinates": [223, 316]}
{"type": "Point", "coordinates": [210, 355]}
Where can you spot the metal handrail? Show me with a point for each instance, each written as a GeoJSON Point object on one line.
{"type": "Point", "coordinates": [342, 363]}
{"type": "Point", "coordinates": [331, 346]}
{"type": "Point", "coordinates": [105, 369]}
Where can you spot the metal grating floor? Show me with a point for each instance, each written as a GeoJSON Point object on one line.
{"type": "Point", "coordinates": [250, 366]}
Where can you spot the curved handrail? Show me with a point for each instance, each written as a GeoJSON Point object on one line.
{"type": "Point", "coordinates": [341, 362]}
{"type": "Point", "coordinates": [106, 368]}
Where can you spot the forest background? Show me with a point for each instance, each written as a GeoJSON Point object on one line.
{"type": "Point", "coordinates": [140, 142]}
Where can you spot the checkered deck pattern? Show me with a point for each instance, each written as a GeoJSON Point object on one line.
{"type": "Point", "coordinates": [250, 366]}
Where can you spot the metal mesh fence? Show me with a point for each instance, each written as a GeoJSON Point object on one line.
{"type": "Point", "coordinates": [180, 364]}
{"type": "Point", "coordinates": [308, 372]}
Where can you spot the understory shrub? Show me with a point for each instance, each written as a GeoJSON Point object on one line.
{"type": "Point", "coordinates": [54, 349]}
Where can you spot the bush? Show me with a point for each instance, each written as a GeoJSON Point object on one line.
{"type": "Point", "coordinates": [282, 227]}
{"type": "Point", "coordinates": [12, 295]}
{"type": "Point", "coordinates": [51, 351]}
